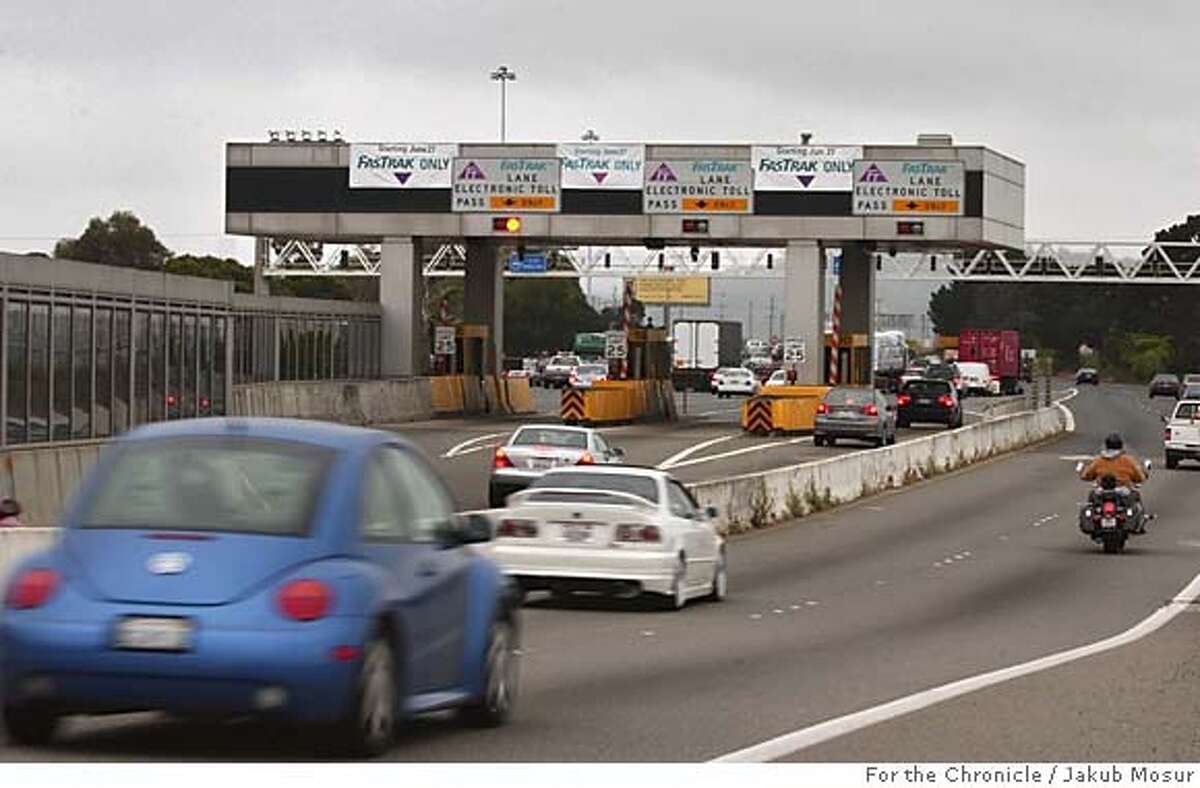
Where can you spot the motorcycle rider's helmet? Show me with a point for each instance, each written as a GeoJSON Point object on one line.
{"type": "Point", "coordinates": [1113, 442]}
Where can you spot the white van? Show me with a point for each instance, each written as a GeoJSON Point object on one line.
{"type": "Point", "coordinates": [977, 379]}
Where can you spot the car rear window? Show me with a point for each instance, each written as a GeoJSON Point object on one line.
{"type": "Point", "coordinates": [931, 388]}
{"type": "Point", "coordinates": [942, 371]}
{"type": "Point", "coordinates": [563, 439]}
{"type": "Point", "coordinates": [850, 397]}
{"type": "Point", "coordinates": [591, 369]}
{"type": "Point", "coordinates": [1165, 379]}
{"type": "Point", "coordinates": [229, 484]}
{"type": "Point", "coordinates": [641, 486]}
{"type": "Point", "coordinates": [1186, 410]}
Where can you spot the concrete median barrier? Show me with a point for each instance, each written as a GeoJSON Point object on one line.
{"type": "Point", "coordinates": [349, 402]}
{"type": "Point", "coordinates": [757, 500]}
{"type": "Point", "coordinates": [42, 478]}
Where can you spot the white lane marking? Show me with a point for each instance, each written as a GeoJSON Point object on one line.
{"type": "Point", "coordinates": [737, 452]}
{"type": "Point", "coordinates": [484, 447]}
{"type": "Point", "coordinates": [454, 451]}
{"type": "Point", "coordinates": [690, 450]}
{"type": "Point", "coordinates": [793, 742]}
{"type": "Point", "coordinates": [1077, 457]}
{"type": "Point", "coordinates": [1068, 416]}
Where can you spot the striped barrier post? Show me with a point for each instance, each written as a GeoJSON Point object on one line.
{"type": "Point", "coordinates": [834, 360]}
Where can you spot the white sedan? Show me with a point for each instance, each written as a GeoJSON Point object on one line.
{"type": "Point", "coordinates": [735, 380]}
{"type": "Point", "coordinates": [617, 530]}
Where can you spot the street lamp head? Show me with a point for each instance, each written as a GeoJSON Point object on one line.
{"type": "Point", "coordinates": [503, 73]}
{"type": "Point", "coordinates": [590, 136]}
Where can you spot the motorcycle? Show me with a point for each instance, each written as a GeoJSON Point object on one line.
{"type": "Point", "coordinates": [1113, 513]}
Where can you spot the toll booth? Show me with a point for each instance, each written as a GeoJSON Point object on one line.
{"type": "Point", "coordinates": [854, 358]}
{"type": "Point", "coordinates": [470, 341]}
{"type": "Point", "coordinates": [649, 354]}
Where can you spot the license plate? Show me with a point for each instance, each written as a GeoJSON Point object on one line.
{"type": "Point", "coordinates": [153, 634]}
{"type": "Point", "coordinates": [1108, 522]}
{"type": "Point", "coordinates": [577, 532]}
{"type": "Point", "coordinates": [541, 465]}
{"type": "Point", "coordinates": [924, 402]}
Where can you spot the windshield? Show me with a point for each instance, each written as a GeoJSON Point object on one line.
{"type": "Point", "coordinates": [565, 361]}
{"type": "Point", "coordinates": [929, 388]}
{"type": "Point", "coordinates": [641, 486]}
{"type": "Point", "coordinates": [238, 485]}
{"type": "Point", "coordinates": [563, 439]}
{"type": "Point", "coordinates": [850, 397]}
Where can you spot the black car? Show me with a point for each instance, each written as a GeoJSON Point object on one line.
{"type": "Point", "coordinates": [1088, 375]}
{"type": "Point", "coordinates": [1165, 385]}
{"type": "Point", "coordinates": [928, 401]}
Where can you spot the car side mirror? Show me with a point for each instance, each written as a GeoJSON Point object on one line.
{"type": "Point", "coordinates": [618, 452]}
{"type": "Point", "coordinates": [473, 529]}
{"type": "Point", "coordinates": [1163, 419]}
{"type": "Point", "coordinates": [1147, 464]}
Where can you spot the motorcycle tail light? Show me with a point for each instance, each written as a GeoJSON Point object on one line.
{"type": "Point", "coordinates": [1110, 507]}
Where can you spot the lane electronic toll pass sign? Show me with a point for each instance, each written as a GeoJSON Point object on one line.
{"type": "Point", "coordinates": [699, 186]}
{"type": "Point", "coordinates": [511, 184]}
{"type": "Point", "coordinates": [905, 188]}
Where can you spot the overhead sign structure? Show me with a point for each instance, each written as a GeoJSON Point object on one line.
{"type": "Point", "coordinates": [401, 165]}
{"type": "Point", "coordinates": [443, 341]}
{"type": "Point", "coordinates": [804, 168]}
{"type": "Point", "coordinates": [511, 184]}
{"type": "Point", "coordinates": [597, 166]}
{"type": "Point", "coordinates": [794, 350]}
{"type": "Point", "coordinates": [908, 188]}
{"type": "Point", "coordinates": [698, 186]}
{"type": "Point", "coordinates": [690, 291]}
{"type": "Point", "coordinates": [616, 345]}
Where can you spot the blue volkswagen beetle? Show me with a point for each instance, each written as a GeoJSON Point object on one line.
{"type": "Point", "coordinates": [295, 570]}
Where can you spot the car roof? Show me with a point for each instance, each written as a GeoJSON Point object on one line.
{"type": "Point", "coordinates": [320, 433]}
{"type": "Point", "coordinates": [559, 427]}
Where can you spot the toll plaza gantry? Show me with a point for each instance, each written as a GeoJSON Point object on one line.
{"type": "Point", "coordinates": [411, 198]}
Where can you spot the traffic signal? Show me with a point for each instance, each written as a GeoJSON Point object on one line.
{"type": "Point", "coordinates": [770, 261]}
{"type": "Point", "coordinates": [607, 260]}
{"type": "Point", "coordinates": [662, 261]}
{"type": "Point", "coordinates": [506, 224]}
{"type": "Point", "coordinates": [716, 260]}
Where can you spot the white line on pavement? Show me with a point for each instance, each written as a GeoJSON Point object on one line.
{"type": "Point", "coordinates": [789, 743]}
{"type": "Point", "coordinates": [738, 452]}
{"type": "Point", "coordinates": [1068, 416]}
{"type": "Point", "coordinates": [689, 451]}
{"type": "Point", "coordinates": [455, 451]}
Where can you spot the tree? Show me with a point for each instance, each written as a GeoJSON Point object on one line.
{"type": "Point", "coordinates": [121, 240]}
{"type": "Point", "coordinates": [545, 314]}
{"type": "Point", "coordinates": [210, 267]}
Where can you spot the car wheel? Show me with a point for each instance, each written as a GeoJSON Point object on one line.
{"type": "Point", "coordinates": [677, 598]}
{"type": "Point", "coordinates": [720, 584]}
{"type": "Point", "coordinates": [371, 729]}
{"type": "Point", "coordinates": [902, 423]}
{"type": "Point", "coordinates": [832, 441]}
{"type": "Point", "coordinates": [1172, 462]}
{"type": "Point", "coordinates": [495, 500]}
{"type": "Point", "coordinates": [500, 672]}
{"type": "Point", "coordinates": [29, 727]}
{"type": "Point", "coordinates": [818, 440]}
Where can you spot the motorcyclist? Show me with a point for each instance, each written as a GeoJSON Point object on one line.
{"type": "Point", "coordinates": [1122, 468]}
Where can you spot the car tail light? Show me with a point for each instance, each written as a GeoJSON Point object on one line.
{"type": "Point", "coordinates": [32, 589]}
{"type": "Point", "coordinates": [501, 460]}
{"type": "Point", "coordinates": [638, 533]}
{"type": "Point", "coordinates": [1167, 434]}
{"type": "Point", "coordinates": [822, 407]}
{"type": "Point", "coordinates": [171, 400]}
{"type": "Point", "coordinates": [946, 401]}
{"type": "Point", "coordinates": [586, 459]}
{"type": "Point", "coordinates": [524, 529]}
{"type": "Point", "coordinates": [870, 410]}
{"type": "Point", "coordinates": [305, 600]}
{"type": "Point", "coordinates": [902, 400]}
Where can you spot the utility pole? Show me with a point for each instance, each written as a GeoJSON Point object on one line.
{"type": "Point", "coordinates": [771, 319]}
{"type": "Point", "coordinates": [750, 320]}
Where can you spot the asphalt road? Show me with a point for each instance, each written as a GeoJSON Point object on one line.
{"type": "Point", "coordinates": [707, 442]}
{"type": "Point", "coordinates": [966, 573]}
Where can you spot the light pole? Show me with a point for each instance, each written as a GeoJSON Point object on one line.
{"type": "Point", "coordinates": [590, 136]}
{"type": "Point", "coordinates": [503, 75]}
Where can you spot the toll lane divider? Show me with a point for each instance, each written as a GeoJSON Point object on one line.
{"type": "Point", "coordinates": [520, 396]}
{"type": "Point", "coordinates": [619, 402]}
{"type": "Point", "coordinates": [758, 500]}
{"type": "Point", "coordinates": [782, 409]}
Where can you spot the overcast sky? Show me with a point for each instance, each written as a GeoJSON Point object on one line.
{"type": "Point", "coordinates": [121, 104]}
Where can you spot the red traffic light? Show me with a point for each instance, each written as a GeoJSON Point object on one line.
{"type": "Point", "coordinates": [507, 224]}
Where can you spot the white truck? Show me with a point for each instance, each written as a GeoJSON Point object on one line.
{"type": "Point", "coordinates": [1181, 438]}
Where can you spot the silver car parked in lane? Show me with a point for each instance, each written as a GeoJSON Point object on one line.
{"type": "Point", "coordinates": [534, 449]}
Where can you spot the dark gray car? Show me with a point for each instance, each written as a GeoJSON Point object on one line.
{"type": "Point", "coordinates": [858, 413]}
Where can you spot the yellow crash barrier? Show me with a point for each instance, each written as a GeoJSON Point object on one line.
{"type": "Point", "coordinates": [520, 397]}
{"type": "Point", "coordinates": [447, 391]}
{"type": "Point", "coordinates": [782, 409]}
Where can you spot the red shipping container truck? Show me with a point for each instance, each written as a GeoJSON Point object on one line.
{"type": "Point", "coordinates": [1000, 350]}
